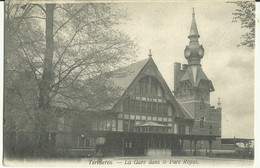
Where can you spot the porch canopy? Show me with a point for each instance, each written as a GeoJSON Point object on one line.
{"type": "Point", "coordinates": [152, 127]}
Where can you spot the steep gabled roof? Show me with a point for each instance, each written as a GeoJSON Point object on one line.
{"type": "Point", "coordinates": [186, 113]}
{"type": "Point", "coordinates": [134, 71]}
{"type": "Point", "coordinates": [126, 77]}
{"type": "Point", "coordinates": [123, 77]}
{"type": "Point", "coordinates": [195, 75]}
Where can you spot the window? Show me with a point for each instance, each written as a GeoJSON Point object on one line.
{"type": "Point", "coordinates": [120, 125]}
{"type": "Point", "coordinates": [154, 86]}
{"type": "Point", "coordinates": [149, 86]}
{"type": "Point", "coordinates": [154, 90]}
{"type": "Point", "coordinates": [143, 107]}
{"type": "Point", "coordinates": [95, 126]}
{"type": "Point", "coordinates": [210, 129]}
{"type": "Point", "coordinates": [201, 104]}
{"type": "Point", "coordinates": [153, 108]}
{"type": "Point", "coordinates": [125, 108]}
{"type": "Point", "coordinates": [202, 122]}
{"type": "Point", "coordinates": [131, 106]}
{"type": "Point", "coordinates": [144, 88]}
{"type": "Point", "coordinates": [130, 144]}
{"type": "Point", "coordinates": [187, 129]}
{"type": "Point", "coordinates": [125, 125]}
{"type": "Point", "coordinates": [113, 125]}
{"type": "Point", "coordinates": [187, 87]}
{"type": "Point", "coordinates": [181, 129]}
{"type": "Point", "coordinates": [160, 109]}
{"type": "Point", "coordinates": [170, 110]}
{"type": "Point", "coordinates": [165, 109]}
{"type": "Point", "coordinates": [160, 91]}
{"type": "Point", "coordinates": [138, 89]}
{"type": "Point", "coordinates": [137, 106]}
{"type": "Point", "coordinates": [175, 129]}
{"type": "Point", "coordinates": [132, 125]}
{"type": "Point", "coordinates": [104, 125]}
{"type": "Point", "coordinates": [109, 125]}
{"type": "Point", "coordinates": [149, 106]}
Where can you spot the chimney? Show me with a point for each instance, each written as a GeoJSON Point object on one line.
{"type": "Point", "coordinates": [177, 69]}
{"type": "Point", "coordinates": [184, 67]}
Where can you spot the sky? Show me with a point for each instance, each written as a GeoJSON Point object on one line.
{"type": "Point", "coordinates": [164, 28]}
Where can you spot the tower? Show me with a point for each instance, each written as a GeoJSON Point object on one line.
{"type": "Point", "coordinates": [192, 87]}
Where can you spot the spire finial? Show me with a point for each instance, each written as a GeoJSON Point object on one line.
{"type": "Point", "coordinates": [193, 29]}
{"type": "Point", "coordinates": [219, 103]}
{"type": "Point", "coordinates": [150, 53]}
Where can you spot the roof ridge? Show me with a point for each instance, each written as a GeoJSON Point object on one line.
{"type": "Point", "coordinates": [131, 64]}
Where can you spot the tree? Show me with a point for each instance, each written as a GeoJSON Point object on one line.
{"type": "Point", "coordinates": [245, 13]}
{"type": "Point", "coordinates": [59, 53]}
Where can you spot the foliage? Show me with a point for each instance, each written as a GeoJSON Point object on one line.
{"type": "Point", "coordinates": [55, 57]}
{"type": "Point", "coordinates": [245, 13]}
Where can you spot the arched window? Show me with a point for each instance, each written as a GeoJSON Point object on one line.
{"type": "Point", "coordinates": [185, 86]}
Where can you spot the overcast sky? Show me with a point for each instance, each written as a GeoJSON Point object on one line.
{"type": "Point", "coordinates": [164, 27]}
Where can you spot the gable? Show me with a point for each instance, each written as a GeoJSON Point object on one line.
{"type": "Point", "coordinates": [123, 77]}
{"type": "Point", "coordinates": [150, 69]}
{"type": "Point", "coordinates": [195, 75]}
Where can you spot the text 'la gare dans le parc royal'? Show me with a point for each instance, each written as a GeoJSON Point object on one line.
{"type": "Point", "coordinates": [145, 162]}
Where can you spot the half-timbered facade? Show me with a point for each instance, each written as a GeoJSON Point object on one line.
{"type": "Point", "coordinates": [141, 122]}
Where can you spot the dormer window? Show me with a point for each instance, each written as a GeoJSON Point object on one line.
{"type": "Point", "coordinates": [187, 87]}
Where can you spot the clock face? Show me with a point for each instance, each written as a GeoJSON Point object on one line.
{"type": "Point", "coordinates": [187, 52]}
{"type": "Point", "coordinates": [201, 51]}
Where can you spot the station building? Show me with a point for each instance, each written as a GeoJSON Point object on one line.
{"type": "Point", "coordinates": [149, 118]}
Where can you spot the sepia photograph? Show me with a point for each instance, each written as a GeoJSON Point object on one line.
{"type": "Point", "coordinates": [129, 83]}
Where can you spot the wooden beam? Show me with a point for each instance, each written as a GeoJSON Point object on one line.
{"type": "Point", "coordinates": [190, 147]}
{"type": "Point", "coordinates": [195, 149]}
{"type": "Point", "coordinates": [210, 147]}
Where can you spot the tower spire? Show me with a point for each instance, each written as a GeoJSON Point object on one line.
{"type": "Point", "coordinates": [193, 29]}
{"type": "Point", "coordinates": [194, 51]}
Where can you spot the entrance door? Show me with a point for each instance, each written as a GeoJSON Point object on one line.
{"type": "Point", "coordinates": [134, 147]}
{"type": "Point", "coordinates": [129, 148]}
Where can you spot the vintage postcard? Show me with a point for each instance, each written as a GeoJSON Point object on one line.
{"type": "Point", "coordinates": [129, 83]}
